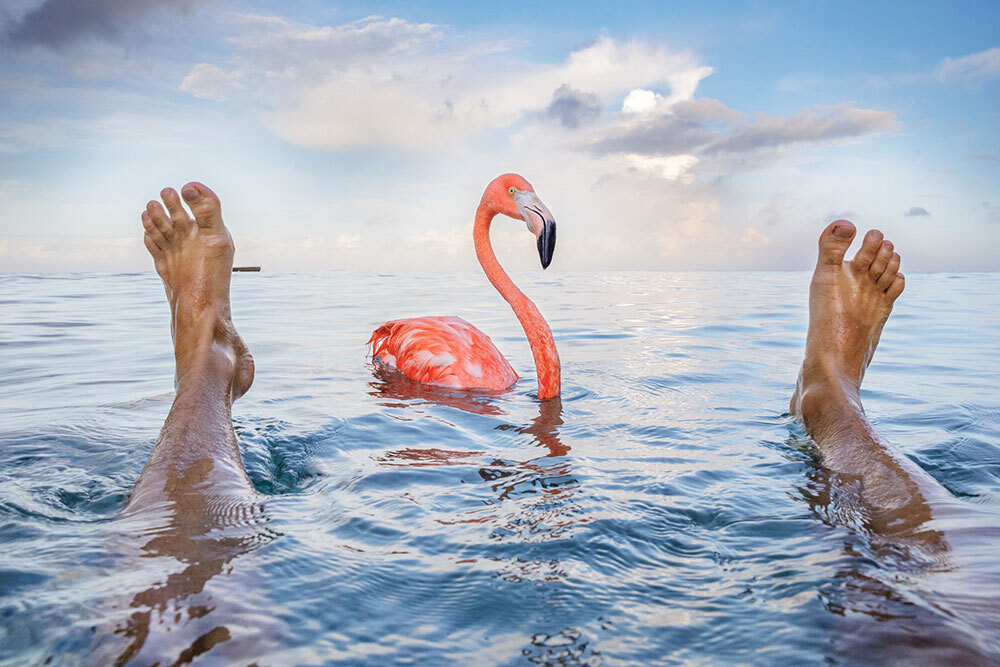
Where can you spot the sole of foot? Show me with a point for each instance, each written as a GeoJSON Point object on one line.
{"type": "Point", "coordinates": [193, 254]}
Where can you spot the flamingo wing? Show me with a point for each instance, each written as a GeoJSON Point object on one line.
{"type": "Point", "coordinates": [445, 351]}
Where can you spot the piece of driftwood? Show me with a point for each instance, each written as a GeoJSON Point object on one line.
{"type": "Point", "coordinates": [245, 268]}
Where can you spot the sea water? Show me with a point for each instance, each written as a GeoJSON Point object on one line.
{"type": "Point", "coordinates": [666, 510]}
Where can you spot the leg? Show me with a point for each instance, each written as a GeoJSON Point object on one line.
{"type": "Point", "coordinates": [849, 303]}
{"type": "Point", "coordinates": [197, 449]}
{"type": "Point", "coordinates": [941, 550]}
{"type": "Point", "coordinates": [193, 501]}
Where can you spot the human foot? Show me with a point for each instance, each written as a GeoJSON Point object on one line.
{"type": "Point", "coordinates": [849, 303]}
{"type": "Point", "coordinates": [194, 258]}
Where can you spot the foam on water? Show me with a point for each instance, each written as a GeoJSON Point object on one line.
{"type": "Point", "coordinates": [666, 510]}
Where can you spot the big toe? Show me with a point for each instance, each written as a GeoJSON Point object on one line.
{"type": "Point", "coordinates": [204, 204]}
{"type": "Point", "coordinates": [834, 242]}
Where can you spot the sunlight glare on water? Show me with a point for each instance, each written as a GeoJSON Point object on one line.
{"type": "Point", "coordinates": [664, 511]}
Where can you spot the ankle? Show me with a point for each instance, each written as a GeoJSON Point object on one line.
{"type": "Point", "coordinates": [825, 397]}
{"type": "Point", "coordinates": [208, 362]}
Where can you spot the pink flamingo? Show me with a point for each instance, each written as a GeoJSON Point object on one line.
{"type": "Point", "coordinates": [449, 351]}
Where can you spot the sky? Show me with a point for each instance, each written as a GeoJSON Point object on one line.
{"type": "Point", "coordinates": [346, 135]}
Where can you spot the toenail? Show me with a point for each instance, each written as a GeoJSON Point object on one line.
{"type": "Point", "coordinates": [191, 193]}
{"type": "Point", "coordinates": [842, 232]}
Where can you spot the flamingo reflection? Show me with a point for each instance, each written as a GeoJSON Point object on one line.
{"type": "Point", "coordinates": [543, 487]}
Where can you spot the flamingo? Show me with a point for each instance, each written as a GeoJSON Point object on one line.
{"type": "Point", "coordinates": [450, 352]}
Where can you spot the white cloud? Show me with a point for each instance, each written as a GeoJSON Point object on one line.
{"type": "Point", "coordinates": [672, 168]}
{"type": "Point", "coordinates": [752, 237]}
{"type": "Point", "coordinates": [348, 241]}
{"type": "Point", "coordinates": [971, 67]}
{"type": "Point", "coordinates": [73, 253]}
{"type": "Point", "coordinates": [641, 100]}
{"type": "Point", "coordinates": [208, 82]}
{"type": "Point", "coordinates": [395, 84]}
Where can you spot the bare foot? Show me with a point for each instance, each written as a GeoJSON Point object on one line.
{"type": "Point", "coordinates": [195, 260]}
{"type": "Point", "coordinates": [849, 303]}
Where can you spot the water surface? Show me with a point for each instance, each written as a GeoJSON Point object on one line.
{"type": "Point", "coordinates": [667, 510]}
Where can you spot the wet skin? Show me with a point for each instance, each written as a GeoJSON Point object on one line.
{"type": "Point", "coordinates": [193, 506]}
{"type": "Point", "coordinates": [904, 511]}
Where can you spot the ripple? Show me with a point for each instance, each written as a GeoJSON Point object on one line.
{"type": "Point", "coordinates": [665, 510]}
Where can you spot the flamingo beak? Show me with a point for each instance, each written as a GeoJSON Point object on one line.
{"type": "Point", "coordinates": [540, 222]}
{"type": "Point", "coordinates": [547, 242]}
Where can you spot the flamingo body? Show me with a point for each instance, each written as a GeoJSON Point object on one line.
{"type": "Point", "coordinates": [446, 351]}
{"type": "Point", "coordinates": [451, 352]}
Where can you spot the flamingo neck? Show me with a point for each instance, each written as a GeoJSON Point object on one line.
{"type": "Point", "coordinates": [543, 346]}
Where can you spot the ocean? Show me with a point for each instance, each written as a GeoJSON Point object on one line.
{"type": "Point", "coordinates": [666, 511]}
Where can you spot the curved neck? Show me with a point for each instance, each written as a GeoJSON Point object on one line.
{"type": "Point", "coordinates": [543, 346]}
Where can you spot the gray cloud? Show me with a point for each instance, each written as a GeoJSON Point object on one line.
{"type": "Point", "coordinates": [57, 23]}
{"type": "Point", "coordinates": [663, 135]}
{"type": "Point", "coordinates": [572, 107]}
{"type": "Point", "coordinates": [809, 126]}
{"type": "Point", "coordinates": [708, 127]}
{"type": "Point", "coordinates": [917, 211]}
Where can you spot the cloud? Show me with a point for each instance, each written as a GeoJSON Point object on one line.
{"type": "Point", "coordinates": [282, 44]}
{"type": "Point", "coordinates": [391, 83]}
{"type": "Point", "coordinates": [56, 23]}
{"type": "Point", "coordinates": [208, 82]}
{"type": "Point", "coordinates": [708, 127]}
{"type": "Point", "coordinates": [644, 149]}
{"type": "Point", "coordinates": [73, 253]}
{"type": "Point", "coordinates": [671, 168]}
{"type": "Point", "coordinates": [571, 107]}
{"type": "Point", "coordinates": [348, 241]}
{"type": "Point", "coordinates": [816, 124]}
{"type": "Point", "coordinates": [754, 238]}
{"type": "Point", "coordinates": [917, 211]}
{"type": "Point", "coordinates": [976, 66]}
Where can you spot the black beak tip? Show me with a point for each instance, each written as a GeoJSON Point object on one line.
{"type": "Point", "coordinates": [547, 243]}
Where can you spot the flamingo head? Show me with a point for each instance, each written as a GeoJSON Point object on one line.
{"type": "Point", "coordinates": [514, 197]}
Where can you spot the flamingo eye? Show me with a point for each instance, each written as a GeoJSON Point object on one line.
{"type": "Point", "coordinates": [511, 189]}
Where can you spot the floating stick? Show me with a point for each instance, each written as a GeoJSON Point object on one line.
{"type": "Point", "coordinates": [245, 268]}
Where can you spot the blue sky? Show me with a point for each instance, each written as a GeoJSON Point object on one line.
{"type": "Point", "coordinates": [350, 135]}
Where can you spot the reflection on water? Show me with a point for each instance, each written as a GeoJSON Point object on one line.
{"type": "Point", "coordinates": [902, 541]}
{"type": "Point", "coordinates": [544, 485]}
{"type": "Point", "coordinates": [665, 510]}
{"type": "Point", "coordinates": [191, 537]}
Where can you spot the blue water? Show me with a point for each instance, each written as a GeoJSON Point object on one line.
{"type": "Point", "coordinates": [668, 511]}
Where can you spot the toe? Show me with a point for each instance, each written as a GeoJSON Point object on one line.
{"type": "Point", "coordinates": [896, 288]}
{"type": "Point", "coordinates": [881, 260]}
{"type": "Point", "coordinates": [178, 216]}
{"type": "Point", "coordinates": [160, 219]}
{"type": "Point", "coordinates": [204, 204]}
{"type": "Point", "coordinates": [152, 231]}
{"type": "Point", "coordinates": [890, 273]}
{"type": "Point", "coordinates": [834, 242]}
{"type": "Point", "coordinates": [151, 246]}
{"type": "Point", "coordinates": [866, 254]}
